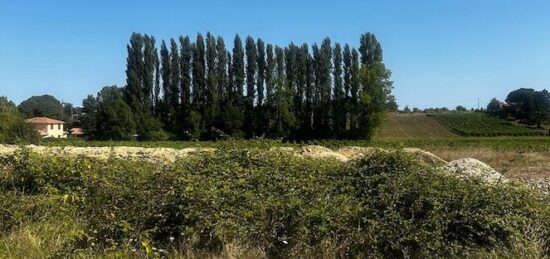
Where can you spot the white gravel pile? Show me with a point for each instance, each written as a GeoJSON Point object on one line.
{"type": "Point", "coordinates": [470, 167]}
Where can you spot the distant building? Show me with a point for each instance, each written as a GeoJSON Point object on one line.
{"type": "Point", "coordinates": [48, 128]}
{"type": "Point", "coordinates": [76, 132]}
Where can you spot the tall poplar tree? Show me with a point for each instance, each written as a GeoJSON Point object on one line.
{"type": "Point", "coordinates": [339, 115]}
{"type": "Point", "coordinates": [251, 66]}
{"type": "Point", "coordinates": [166, 74]}
{"type": "Point", "coordinates": [199, 74]}
{"type": "Point", "coordinates": [211, 107]}
{"type": "Point", "coordinates": [174, 84]}
{"type": "Point", "coordinates": [355, 84]}
{"type": "Point", "coordinates": [301, 86]}
{"type": "Point", "coordinates": [309, 94]}
{"type": "Point", "coordinates": [157, 91]}
{"type": "Point", "coordinates": [260, 89]}
{"type": "Point", "coordinates": [347, 82]}
{"type": "Point", "coordinates": [148, 76]}
{"type": "Point", "coordinates": [270, 74]}
{"type": "Point", "coordinates": [199, 84]}
{"type": "Point", "coordinates": [134, 73]}
{"type": "Point", "coordinates": [370, 49]}
{"type": "Point", "coordinates": [186, 54]}
{"type": "Point", "coordinates": [323, 80]}
{"type": "Point", "coordinates": [284, 118]}
{"type": "Point", "coordinates": [375, 86]}
{"type": "Point", "coordinates": [238, 68]}
{"type": "Point", "coordinates": [221, 70]}
{"type": "Point", "coordinates": [239, 79]}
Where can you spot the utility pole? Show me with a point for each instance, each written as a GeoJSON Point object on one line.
{"type": "Point", "coordinates": [478, 103]}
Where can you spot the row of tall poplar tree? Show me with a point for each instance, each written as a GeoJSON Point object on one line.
{"type": "Point", "coordinates": [201, 90]}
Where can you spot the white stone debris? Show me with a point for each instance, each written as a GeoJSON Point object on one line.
{"type": "Point", "coordinates": [470, 167]}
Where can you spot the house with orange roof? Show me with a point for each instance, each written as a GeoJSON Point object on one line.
{"type": "Point", "coordinates": [48, 128]}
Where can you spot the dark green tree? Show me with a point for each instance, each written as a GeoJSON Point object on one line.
{"type": "Point", "coordinates": [375, 87]}
{"type": "Point", "coordinates": [284, 120]}
{"type": "Point", "coordinates": [238, 69]}
{"type": "Point", "coordinates": [135, 69]}
{"type": "Point", "coordinates": [173, 101]}
{"type": "Point", "coordinates": [270, 83]}
{"type": "Point", "coordinates": [310, 96]}
{"type": "Point", "coordinates": [347, 83]}
{"type": "Point", "coordinates": [339, 113]}
{"type": "Point", "coordinates": [323, 81]}
{"type": "Point", "coordinates": [13, 129]}
{"type": "Point", "coordinates": [370, 49]}
{"type": "Point", "coordinates": [211, 104]}
{"type": "Point", "coordinates": [41, 106]}
{"type": "Point", "coordinates": [261, 115]}
{"type": "Point", "coordinates": [301, 87]}
{"type": "Point", "coordinates": [107, 116]}
{"type": "Point", "coordinates": [232, 122]}
{"type": "Point", "coordinates": [238, 84]}
{"type": "Point", "coordinates": [148, 76]}
{"type": "Point", "coordinates": [251, 67]}
{"type": "Point", "coordinates": [199, 78]}
{"type": "Point", "coordinates": [186, 55]}
{"type": "Point", "coordinates": [494, 108]}
{"type": "Point", "coordinates": [221, 70]}
{"type": "Point", "coordinates": [166, 74]}
{"type": "Point", "coordinates": [354, 95]}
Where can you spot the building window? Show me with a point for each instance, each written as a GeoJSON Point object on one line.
{"type": "Point", "coordinates": [58, 126]}
{"type": "Point", "coordinates": [51, 126]}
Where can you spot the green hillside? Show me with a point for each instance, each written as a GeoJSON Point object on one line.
{"type": "Point", "coordinates": [416, 125]}
{"type": "Point", "coordinates": [479, 124]}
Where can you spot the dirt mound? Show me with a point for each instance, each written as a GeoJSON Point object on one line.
{"type": "Point", "coordinates": [353, 152]}
{"type": "Point", "coordinates": [315, 151]}
{"type": "Point", "coordinates": [132, 153]}
{"type": "Point", "coordinates": [470, 167]}
{"type": "Point", "coordinates": [424, 156]}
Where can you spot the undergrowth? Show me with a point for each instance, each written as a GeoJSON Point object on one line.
{"type": "Point", "coordinates": [258, 203]}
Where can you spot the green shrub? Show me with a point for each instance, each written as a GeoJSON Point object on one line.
{"type": "Point", "coordinates": [386, 205]}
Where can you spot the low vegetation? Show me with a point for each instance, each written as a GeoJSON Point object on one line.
{"type": "Point", "coordinates": [479, 124]}
{"type": "Point", "coordinates": [258, 203]}
{"type": "Point", "coordinates": [413, 126]}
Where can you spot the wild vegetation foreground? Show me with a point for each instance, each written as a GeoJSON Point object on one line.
{"type": "Point", "coordinates": [262, 203]}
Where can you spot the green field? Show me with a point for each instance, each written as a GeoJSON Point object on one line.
{"type": "Point", "coordinates": [413, 126]}
{"type": "Point", "coordinates": [479, 124]}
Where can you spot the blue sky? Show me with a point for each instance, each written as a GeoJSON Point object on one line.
{"type": "Point", "coordinates": [441, 52]}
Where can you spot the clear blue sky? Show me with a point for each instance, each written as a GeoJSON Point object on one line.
{"type": "Point", "coordinates": [441, 52]}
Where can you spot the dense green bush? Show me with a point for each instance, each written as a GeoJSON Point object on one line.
{"type": "Point", "coordinates": [386, 205]}
{"type": "Point", "coordinates": [13, 129]}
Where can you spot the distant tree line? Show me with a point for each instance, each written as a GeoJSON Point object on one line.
{"type": "Point", "coordinates": [200, 90]}
{"type": "Point", "coordinates": [527, 105]}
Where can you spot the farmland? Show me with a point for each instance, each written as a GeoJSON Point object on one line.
{"type": "Point", "coordinates": [479, 124]}
{"type": "Point", "coordinates": [416, 126]}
